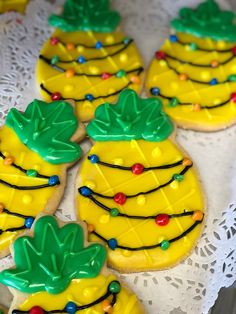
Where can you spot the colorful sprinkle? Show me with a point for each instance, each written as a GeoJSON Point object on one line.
{"type": "Point", "coordinates": [213, 81]}
{"type": "Point", "coordinates": [36, 310]}
{"type": "Point", "coordinates": [1, 208]}
{"type": "Point", "coordinates": [135, 79]}
{"type": "Point", "coordinates": [197, 107]}
{"type": "Point", "coordinates": [137, 169]}
{"type": "Point", "coordinates": [70, 73]}
{"type": "Point", "coordinates": [120, 198]}
{"type": "Point", "coordinates": [183, 77]}
{"type": "Point", "coordinates": [81, 59]}
{"type": "Point", "coordinates": [85, 191]}
{"type": "Point", "coordinates": [94, 159]}
{"type": "Point", "coordinates": [70, 46]}
{"type": "Point", "coordinates": [214, 63]}
{"type": "Point", "coordinates": [174, 102]}
{"type": "Point", "coordinates": [54, 41]}
{"type": "Point", "coordinates": [165, 245]}
{"type": "Point", "coordinates": [197, 215]}
{"type": "Point", "coordinates": [90, 228]}
{"type": "Point", "coordinates": [112, 243]}
{"type": "Point", "coordinates": [106, 306]}
{"type": "Point", "coordinates": [193, 46]}
{"type": "Point", "coordinates": [121, 73]}
{"type": "Point", "coordinates": [8, 161]}
{"type": "Point", "coordinates": [89, 97]}
{"type": "Point", "coordinates": [114, 212]}
{"type": "Point", "coordinates": [187, 162]}
{"type": "Point", "coordinates": [56, 96]}
{"type": "Point", "coordinates": [126, 40]}
{"type": "Point", "coordinates": [54, 60]}
{"type": "Point", "coordinates": [31, 173]}
{"type": "Point", "coordinates": [105, 76]}
{"type": "Point", "coordinates": [233, 50]}
{"type": "Point", "coordinates": [173, 38]}
{"type": "Point", "coordinates": [155, 91]}
{"type": "Point", "coordinates": [71, 307]}
{"type": "Point", "coordinates": [233, 97]}
{"type": "Point", "coordinates": [28, 222]}
{"type": "Point", "coordinates": [53, 180]}
{"type": "Point", "coordinates": [232, 78]}
{"type": "Point", "coordinates": [178, 177]}
{"type": "Point", "coordinates": [162, 219]}
{"type": "Point", "coordinates": [160, 55]}
{"type": "Point", "coordinates": [98, 45]}
{"type": "Point", "coordinates": [114, 287]}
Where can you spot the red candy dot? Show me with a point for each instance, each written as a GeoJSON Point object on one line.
{"type": "Point", "coordinates": [54, 41]}
{"type": "Point", "coordinates": [36, 310]}
{"type": "Point", "coordinates": [56, 96]}
{"type": "Point", "coordinates": [120, 198]}
{"type": "Point", "coordinates": [105, 76]}
{"type": "Point", "coordinates": [137, 168]}
{"type": "Point", "coordinates": [162, 219]}
{"type": "Point", "coordinates": [233, 97]}
{"type": "Point", "coordinates": [160, 55]}
{"type": "Point", "coordinates": [233, 50]}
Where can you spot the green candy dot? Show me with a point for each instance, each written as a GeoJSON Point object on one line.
{"type": "Point", "coordinates": [178, 177]}
{"type": "Point", "coordinates": [120, 73]}
{"type": "Point", "coordinates": [165, 245]}
{"type": "Point", "coordinates": [31, 173]}
{"type": "Point", "coordinates": [193, 46]}
{"type": "Point", "coordinates": [114, 212]}
{"type": "Point", "coordinates": [232, 78]}
{"type": "Point", "coordinates": [114, 287]}
{"type": "Point", "coordinates": [54, 59]}
{"type": "Point", "coordinates": [174, 102]}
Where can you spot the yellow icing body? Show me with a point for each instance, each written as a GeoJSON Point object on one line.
{"type": "Point", "coordinates": [85, 291]}
{"type": "Point", "coordinates": [195, 94]}
{"type": "Point", "coordinates": [13, 5]}
{"type": "Point", "coordinates": [174, 198]}
{"type": "Point", "coordinates": [77, 86]}
{"type": "Point", "coordinates": [25, 202]}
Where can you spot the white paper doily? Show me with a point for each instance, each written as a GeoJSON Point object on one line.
{"type": "Point", "coordinates": [192, 286]}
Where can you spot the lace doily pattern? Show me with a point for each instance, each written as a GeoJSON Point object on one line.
{"type": "Point", "coordinates": [193, 285]}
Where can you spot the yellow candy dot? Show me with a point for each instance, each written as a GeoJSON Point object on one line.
{"type": "Point", "coordinates": [94, 70]}
{"type": "Point", "coordinates": [69, 88]}
{"type": "Point", "coordinates": [141, 200]}
{"type": "Point", "coordinates": [37, 167]}
{"type": "Point", "coordinates": [87, 104]}
{"type": "Point", "coordinates": [126, 253]}
{"type": "Point", "coordinates": [118, 161]}
{"type": "Point", "coordinates": [221, 44]}
{"type": "Point", "coordinates": [174, 185]}
{"type": "Point", "coordinates": [156, 152]}
{"type": "Point", "coordinates": [162, 63]}
{"type": "Point", "coordinates": [233, 68]}
{"type": "Point", "coordinates": [80, 49]}
{"type": "Point", "coordinates": [123, 57]}
{"type": "Point", "coordinates": [217, 101]}
{"type": "Point", "coordinates": [205, 75]}
{"type": "Point", "coordinates": [90, 184]}
{"type": "Point", "coordinates": [5, 153]}
{"type": "Point", "coordinates": [27, 199]}
{"type": "Point", "coordinates": [109, 39]}
{"type": "Point", "coordinates": [104, 219]}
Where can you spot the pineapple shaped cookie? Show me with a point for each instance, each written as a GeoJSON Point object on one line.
{"type": "Point", "coordinates": [56, 273]}
{"type": "Point", "coordinates": [137, 191]}
{"type": "Point", "coordinates": [13, 5]}
{"type": "Point", "coordinates": [87, 59]}
{"type": "Point", "coordinates": [194, 72]}
{"type": "Point", "coordinates": [36, 148]}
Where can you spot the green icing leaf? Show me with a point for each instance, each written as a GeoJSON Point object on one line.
{"type": "Point", "coordinates": [207, 20]}
{"type": "Point", "coordinates": [131, 118]}
{"type": "Point", "coordinates": [52, 258]}
{"type": "Point", "coordinates": [47, 130]}
{"type": "Point", "coordinates": [86, 15]}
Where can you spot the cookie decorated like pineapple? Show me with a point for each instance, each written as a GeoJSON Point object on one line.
{"type": "Point", "coordinates": [56, 272]}
{"type": "Point", "coordinates": [194, 72]}
{"type": "Point", "coordinates": [36, 148]}
{"type": "Point", "coordinates": [137, 190]}
{"type": "Point", "coordinates": [88, 59]}
{"type": "Point", "coordinates": [13, 5]}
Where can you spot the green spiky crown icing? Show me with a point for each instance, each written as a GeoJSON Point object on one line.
{"type": "Point", "coordinates": [52, 258]}
{"type": "Point", "coordinates": [47, 130]}
{"type": "Point", "coordinates": [207, 20]}
{"type": "Point", "coordinates": [86, 15]}
{"type": "Point", "coordinates": [132, 118]}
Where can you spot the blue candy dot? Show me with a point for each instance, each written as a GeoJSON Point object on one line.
{"type": "Point", "coordinates": [94, 159]}
{"type": "Point", "coordinates": [89, 97]}
{"type": "Point", "coordinates": [98, 45]}
{"type": "Point", "coordinates": [28, 222]}
{"type": "Point", "coordinates": [173, 38]}
{"type": "Point", "coordinates": [126, 41]}
{"type": "Point", "coordinates": [112, 243]}
{"type": "Point", "coordinates": [85, 191]}
{"type": "Point", "coordinates": [53, 180]}
{"type": "Point", "coordinates": [155, 91]}
{"type": "Point", "coordinates": [213, 81]}
{"type": "Point", "coordinates": [81, 59]}
{"type": "Point", "coordinates": [71, 307]}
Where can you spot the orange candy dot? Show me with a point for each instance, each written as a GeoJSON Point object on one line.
{"type": "Point", "coordinates": [196, 107]}
{"type": "Point", "coordinates": [1, 207]}
{"type": "Point", "coordinates": [197, 215]}
{"type": "Point", "coordinates": [70, 46]}
{"type": "Point", "coordinates": [91, 228]}
{"type": "Point", "coordinates": [70, 73]}
{"type": "Point", "coordinates": [135, 79]}
{"type": "Point", "coordinates": [106, 306]}
{"type": "Point", "coordinates": [8, 161]}
{"type": "Point", "coordinates": [214, 63]}
{"type": "Point", "coordinates": [187, 162]}
{"type": "Point", "coordinates": [183, 77]}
